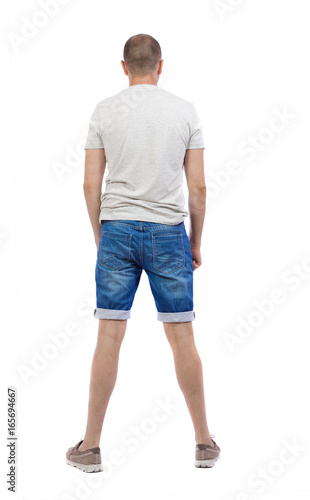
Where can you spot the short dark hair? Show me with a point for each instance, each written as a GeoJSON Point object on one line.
{"type": "Point", "coordinates": [142, 54]}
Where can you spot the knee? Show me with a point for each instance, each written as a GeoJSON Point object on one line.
{"type": "Point", "coordinates": [112, 329]}
{"type": "Point", "coordinates": [178, 333]}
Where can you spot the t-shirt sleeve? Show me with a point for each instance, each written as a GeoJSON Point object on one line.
{"type": "Point", "coordinates": [196, 140]}
{"type": "Point", "coordinates": [94, 139]}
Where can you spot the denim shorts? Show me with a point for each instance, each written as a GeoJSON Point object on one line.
{"type": "Point", "coordinates": [126, 247]}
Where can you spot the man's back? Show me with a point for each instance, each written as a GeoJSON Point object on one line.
{"type": "Point", "coordinates": [145, 132]}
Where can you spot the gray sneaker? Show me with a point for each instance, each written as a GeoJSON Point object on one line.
{"type": "Point", "coordinates": [87, 460]}
{"type": "Point", "coordinates": [205, 455]}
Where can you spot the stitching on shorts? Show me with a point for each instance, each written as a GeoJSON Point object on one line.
{"type": "Point", "coordinates": [174, 234]}
{"type": "Point", "coordinates": [128, 237]}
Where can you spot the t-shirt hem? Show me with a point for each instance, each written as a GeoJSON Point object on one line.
{"type": "Point", "coordinates": [106, 215]}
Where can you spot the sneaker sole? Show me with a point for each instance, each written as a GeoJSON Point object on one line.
{"type": "Point", "coordinates": [205, 463]}
{"type": "Point", "coordinates": [86, 468]}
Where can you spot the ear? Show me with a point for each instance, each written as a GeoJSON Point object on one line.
{"type": "Point", "coordinates": [124, 67]}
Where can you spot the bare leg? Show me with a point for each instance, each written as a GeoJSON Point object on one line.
{"type": "Point", "coordinates": [189, 374]}
{"type": "Point", "coordinates": [103, 377]}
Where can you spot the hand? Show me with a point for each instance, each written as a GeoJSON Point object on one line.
{"type": "Point", "coordinates": [196, 255]}
{"type": "Point", "coordinates": [97, 244]}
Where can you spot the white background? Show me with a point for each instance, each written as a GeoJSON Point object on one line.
{"type": "Point", "coordinates": [241, 63]}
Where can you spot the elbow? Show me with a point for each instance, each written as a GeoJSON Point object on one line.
{"type": "Point", "coordinates": [200, 190]}
{"type": "Point", "coordinates": [89, 187]}
{"type": "Point", "coordinates": [197, 198]}
{"type": "Point", "coordinates": [202, 187]}
{"type": "Point", "coordinates": [92, 191]}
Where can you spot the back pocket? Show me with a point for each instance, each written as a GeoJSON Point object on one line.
{"type": "Point", "coordinates": [114, 250]}
{"type": "Point", "coordinates": [168, 251]}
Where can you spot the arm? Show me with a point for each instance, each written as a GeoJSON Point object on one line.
{"type": "Point", "coordinates": [95, 163]}
{"type": "Point", "coordinates": [194, 172]}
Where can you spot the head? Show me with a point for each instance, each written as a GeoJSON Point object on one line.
{"type": "Point", "coordinates": [142, 59]}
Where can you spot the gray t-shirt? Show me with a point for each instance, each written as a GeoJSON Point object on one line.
{"type": "Point", "coordinates": [145, 131]}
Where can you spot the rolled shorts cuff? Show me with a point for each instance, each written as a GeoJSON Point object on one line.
{"type": "Point", "coordinates": [177, 317]}
{"type": "Point", "coordinates": [111, 313]}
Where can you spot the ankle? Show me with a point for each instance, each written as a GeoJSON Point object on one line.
{"type": "Point", "coordinates": [86, 446]}
{"type": "Point", "coordinates": [204, 440]}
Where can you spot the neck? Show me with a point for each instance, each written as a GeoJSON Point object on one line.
{"type": "Point", "coordinates": [139, 81]}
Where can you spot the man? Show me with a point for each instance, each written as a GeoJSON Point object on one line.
{"type": "Point", "coordinates": [146, 135]}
